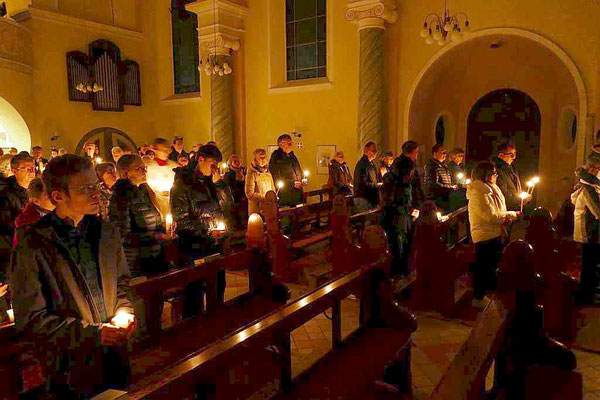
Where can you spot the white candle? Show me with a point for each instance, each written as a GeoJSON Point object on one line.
{"type": "Point", "coordinates": [122, 319]}
{"type": "Point", "coordinates": [169, 226]}
{"type": "Point", "coordinates": [11, 315]}
{"type": "Point", "coordinates": [523, 196]}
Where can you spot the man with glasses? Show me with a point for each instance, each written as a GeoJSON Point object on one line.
{"type": "Point", "coordinates": [13, 199]}
{"type": "Point", "coordinates": [285, 167]}
{"type": "Point", "coordinates": [69, 280]}
{"type": "Point", "coordinates": [508, 179]}
{"type": "Point", "coordinates": [438, 181]}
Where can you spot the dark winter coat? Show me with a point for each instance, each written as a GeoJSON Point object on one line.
{"type": "Point", "coordinates": [13, 199]}
{"type": "Point", "coordinates": [509, 183]}
{"type": "Point", "coordinates": [286, 167]}
{"type": "Point", "coordinates": [366, 179]}
{"type": "Point", "coordinates": [340, 177]}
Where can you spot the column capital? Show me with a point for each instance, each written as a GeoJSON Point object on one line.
{"type": "Point", "coordinates": [371, 13]}
{"type": "Point", "coordinates": [221, 24]}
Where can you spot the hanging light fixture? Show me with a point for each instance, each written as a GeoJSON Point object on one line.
{"type": "Point", "coordinates": [439, 28]}
{"type": "Point", "coordinates": [211, 64]}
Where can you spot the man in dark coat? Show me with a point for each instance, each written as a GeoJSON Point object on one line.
{"type": "Point", "coordinates": [366, 179]}
{"type": "Point", "coordinates": [399, 208]}
{"type": "Point", "coordinates": [339, 175]}
{"type": "Point", "coordinates": [508, 179]}
{"type": "Point", "coordinates": [285, 167]}
{"type": "Point", "coordinates": [13, 199]}
{"type": "Point", "coordinates": [198, 199]}
{"type": "Point", "coordinates": [177, 149]}
{"type": "Point", "coordinates": [69, 280]}
{"type": "Point", "coordinates": [39, 161]}
{"type": "Point", "coordinates": [438, 181]}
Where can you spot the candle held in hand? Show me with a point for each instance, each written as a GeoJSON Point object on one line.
{"type": "Point", "coordinates": [221, 226]}
{"type": "Point", "coordinates": [122, 319]}
{"type": "Point", "coordinates": [98, 160]}
{"type": "Point", "coordinates": [11, 315]}
{"type": "Point", "coordinates": [169, 226]}
{"type": "Point", "coordinates": [523, 196]}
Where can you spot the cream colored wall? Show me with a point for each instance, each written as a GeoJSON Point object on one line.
{"type": "Point", "coordinates": [324, 114]}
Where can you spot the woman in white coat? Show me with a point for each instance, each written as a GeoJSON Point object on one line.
{"type": "Point", "coordinates": [488, 217]}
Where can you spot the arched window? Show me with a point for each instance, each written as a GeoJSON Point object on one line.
{"type": "Point", "coordinates": [440, 130]}
{"type": "Point", "coordinates": [186, 77]}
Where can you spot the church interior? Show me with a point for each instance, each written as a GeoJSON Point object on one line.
{"type": "Point", "coordinates": [316, 304]}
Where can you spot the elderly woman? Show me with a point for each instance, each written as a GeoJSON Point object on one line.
{"type": "Point", "coordinates": [132, 210]}
{"type": "Point", "coordinates": [488, 217]}
{"type": "Point", "coordinates": [108, 176]}
{"type": "Point", "coordinates": [259, 180]}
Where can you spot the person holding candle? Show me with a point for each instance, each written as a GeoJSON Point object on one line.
{"type": "Point", "coordinates": [108, 176]}
{"type": "Point", "coordinates": [259, 181]}
{"type": "Point", "coordinates": [586, 199]}
{"type": "Point", "coordinates": [438, 181]}
{"type": "Point", "coordinates": [133, 212]}
{"type": "Point", "coordinates": [487, 217]}
{"type": "Point", "coordinates": [386, 160]}
{"type": "Point", "coordinates": [340, 177]}
{"type": "Point", "coordinates": [69, 279]}
{"type": "Point", "coordinates": [198, 200]}
{"type": "Point", "coordinates": [509, 181]}
{"type": "Point", "coordinates": [367, 180]}
{"type": "Point", "coordinates": [284, 166]}
{"type": "Point", "coordinates": [455, 166]}
{"type": "Point", "coordinates": [38, 160]}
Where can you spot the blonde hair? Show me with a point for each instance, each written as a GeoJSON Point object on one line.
{"type": "Point", "coordinates": [258, 152]}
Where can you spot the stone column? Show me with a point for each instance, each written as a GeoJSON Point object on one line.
{"type": "Point", "coordinates": [221, 24]}
{"type": "Point", "coordinates": [371, 16]}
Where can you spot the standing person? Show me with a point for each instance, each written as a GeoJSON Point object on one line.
{"type": "Point", "coordinates": [161, 175]}
{"type": "Point", "coordinates": [386, 160]}
{"type": "Point", "coordinates": [5, 170]}
{"type": "Point", "coordinates": [39, 161]}
{"type": "Point", "coordinates": [139, 222]}
{"type": "Point", "coordinates": [399, 209]}
{"type": "Point", "coordinates": [177, 149]}
{"type": "Point", "coordinates": [487, 216]}
{"type": "Point", "coordinates": [508, 178]}
{"type": "Point", "coordinates": [89, 150]}
{"type": "Point", "coordinates": [13, 151]}
{"type": "Point", "coordinates": [438, 181]}
{"type": "Point", "coordinates": [39, 205]}
{"type": "Point", "coordinates": [339, 175]}
{"type": "Point", "coordinates": [116, 153]}
{"type": "Point", "coordinates": [235, 178]}
{"type": "Point", "coordinates": [13, 199]}
{"type": "Point", "coordinates": [285, 167]}
{"type": "Point", "coordinates": [456, 168]}
{"type": "Point", "coordinates": [366, 179]}
{"type": "Point", "coordinates": [259, 181]}
{"type": "Point", "coordinates": [586, 199]}
{"type": "Point", "coordinates": [69, 279]}
{"type": "Point", "coordinates": [198, 200]}
{"type": "Point", "coordinates": [108, 177]}
{"type": "Point", "coordinates": [53, 153]}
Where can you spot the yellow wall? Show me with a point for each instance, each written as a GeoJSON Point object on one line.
{"type": "Point", "coordinates": [324, 112]}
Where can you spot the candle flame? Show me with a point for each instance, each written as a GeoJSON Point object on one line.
{"type": "Point", "coordinates": [523, 195]}
{"type": "Point", "coordinates": [224, 165]}
{"type": "Point", "coordinates": [535, 179]}
{"type": "Point", "coordinates": [11, 315]}
{"type": "Point", "coordinates": [530, 183]}
{"type": "Point", "coordinates": [221, 226]}
{"type": "Point", "coordinates": [306, 173]}
{"type": "Point", "coordinates": [122, 319]}
{"type": "Point", "coordinates": [439, 215]}
{"type": "Point", "coordinates": [280, 184]}
{"type": "Point", "coordinates": [98, 160]}
{"type": "Point", "coordinates": [468, 181]}
{"type": "Point", "coordinates": [169, 219]}
{"type": "Point", "coordinates": [460, 175]}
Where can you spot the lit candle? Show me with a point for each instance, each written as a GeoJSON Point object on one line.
{"type": "Point", "coordinates": [122, 319]}
{"type": "Point", "coordinates": [439, 215]}
{"type": "Point", "coordinates": [169, 226]}
{"type": "Point", "coordinates": [468, 181]}
{"type": "Point", "coordinates": [460, 176]}
{"type": "Point", "coordinates": [98, 160]}
{"type": "Point", "coordinates": [11, 315]}
{"type": "Point", "coordinates": [523, 196]}
{"type": "Point", "coordinates": [221, 226]}
{"type": "Point", "coordinates": [223, 166]}
{"type": "Point", "coordinates": [280, 186]}
{"type": "Point", "coordinates": [254, 233]}
{"type": "Point", "coordinates": [305, 179]}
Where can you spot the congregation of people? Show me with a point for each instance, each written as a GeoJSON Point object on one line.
{"type": "Point", "coordinates": [74, 230]}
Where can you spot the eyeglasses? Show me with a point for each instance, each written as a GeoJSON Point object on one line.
{"type": "Point", "coordinates": [26, 169]}
{"type": "Point", "coordinates": [87, 189]}
{"type": "Point", "coordinates": [141, 169]}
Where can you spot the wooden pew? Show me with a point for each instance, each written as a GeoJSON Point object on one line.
{"type": "Point", "coordinates": [558, 289]}
{"type": "Point", "coordinates": [548, 375]}
{"type": "Point", "coordinates": [439, 259]}
{"type": "Point", "coordinates": [261, 350]}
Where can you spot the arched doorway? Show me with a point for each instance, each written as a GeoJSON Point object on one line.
{"type": "Point", "coordinates": [505, 115]}
{"type": "Point", "coordinates": [13, 129]}
{"type": "Point", "coordinates": [105, 139]}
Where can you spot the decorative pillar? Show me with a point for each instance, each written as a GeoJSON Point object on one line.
{"type": "Point", "coordinates": [221, 24]}
{"type": "Point", "coordinates": [371, 16]}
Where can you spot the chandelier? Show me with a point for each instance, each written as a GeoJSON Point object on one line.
{"type": "Point", "coordinates": [213, 64]}
{"type": "Point", "coordinates": [438, 29]}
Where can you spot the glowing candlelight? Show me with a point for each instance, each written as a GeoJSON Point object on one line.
{"type": "Point", "coordinates": [531, 184]}
{"type": "Point", "coordinates": [122, 319]}
{"type": "Point", "coordinates": [468, 182]}
{"type": "Point", "coordinates": [305, 178]}
{"type": "Point", "coordinates": [11, 315]}
{"type": "Point", "coordinates": [306, 173]}
{"type": "Point", "coordinates": [169, 225]}
{"type": "Point", "coordinates": [460, 176]}
{"type": "Point", "coordinates": [439, 215]}
{"type": "Point", "coordinates": [523, 196]}
{"type": "Point", "coordinates": [98, 160]}
{"type": "Point", "coordinates": [280, 186]}
{"type": "Point", "coordinates": [221, 226]}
